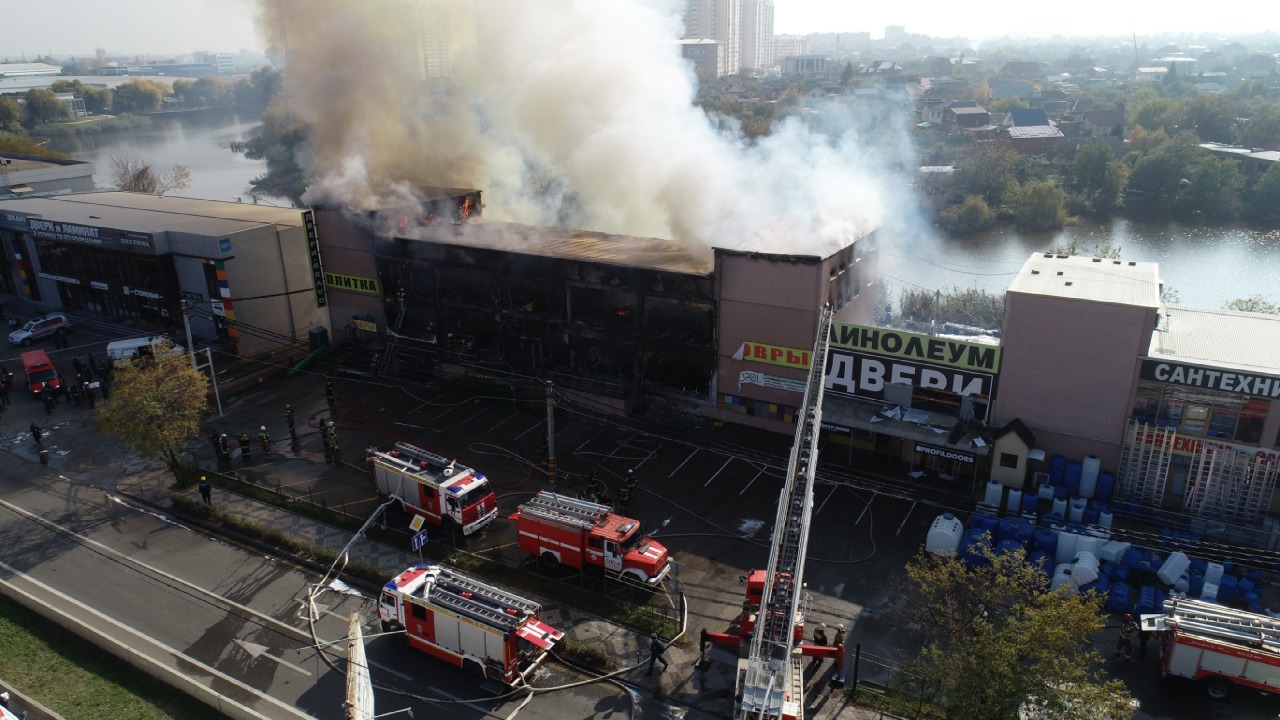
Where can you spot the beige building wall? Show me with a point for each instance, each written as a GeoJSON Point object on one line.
{"type": "Point", "coordinates": [346, 247]}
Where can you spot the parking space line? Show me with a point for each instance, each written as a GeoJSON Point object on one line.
{"type": "Point", "coordinates": [824, 500]}
{"type": "Point", "coordinates": [584, 442]}
{"type": "Point", "coordinates": [447, 410]}
{"type": "Point", "coordinates": [621, 445]}
{"type": "Point", "coordinates": [540, 423]}
{"type": "Point", "coordinates": [493, 427]}
{"type": "Point", "coordinates": [744, 488]}
{"type": "Point", "coordinates": [713, 477]}
{"type": "Point", "coordinates": [686, 460]}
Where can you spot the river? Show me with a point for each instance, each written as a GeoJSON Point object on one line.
{"type": "Point", "coordinates": [1204, 266]}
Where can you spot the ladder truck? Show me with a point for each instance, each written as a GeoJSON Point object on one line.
{"type": "Point", "coordinates": [1217, 646]}
{"type": "Point", "coordinates": [771, 664]}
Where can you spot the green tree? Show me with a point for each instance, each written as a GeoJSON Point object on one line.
{"type": "Point", "coordinates": [282, 135]}
{"type": "Point", "coordinates": [43, 106]}
{"type": "Point", "coordinates": [130, 173]}
{"type": "Point", "coordinates": [1098, 178]}
{"type": "Point", "coordinates": [1212, 190]}
{"type": "Point", "coordinates": [1262, 128]}
{"type": "Point", "coordinates": [26, 145]}
{"type": "Point", "coordinates": [970, 216]}
{"type": "Point", "coordinates": [1154, 113]}
{"type": "Point", "coordinates": [10, 114]}
{"type": "Point", "coordinates": [1255, 304]}
{"type": "Point", "coordinates": [1000, 645]}
{"type": "Point", "coordinates": [1004, 105]}
{"type": "Point", "coordinates": [1210, 116]}
{"type": "Point", "coordinates": [990, 170]}
{"type": "Point", "coordinates": [97, 100]}
{"type": "Point", "coordinates": [1157, 177]}
{"type": "Point", "coordinates": [847, 75]}
{"type": "Point", "coordinates": [138, 95]}
{"type": "Point", "coordinates": [156, 404]}
{"type": "Point", "coordinates": [1264, 198]}
{"type": "Point", "coordinates": [1040, 205]}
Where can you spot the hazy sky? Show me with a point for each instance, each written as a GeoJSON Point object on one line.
{"type": "Point", "coordinates": [181, 26]}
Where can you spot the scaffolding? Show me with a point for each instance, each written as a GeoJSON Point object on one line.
{"type": "Point", "coordinates": [1144, 464]}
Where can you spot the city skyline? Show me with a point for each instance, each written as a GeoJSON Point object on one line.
{"type": "Point", "coordinates": [127, 27]}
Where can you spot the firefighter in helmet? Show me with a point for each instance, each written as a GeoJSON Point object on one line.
{"type": "Point", "coordinates": [265, 438]}
{"type": "Point", "coordinates": [628, 487]}
{"type": "Point", "coordinates": [224, 447]}
{"type": "Point", "coordinates": [288, 416]}
{"type": "Point", "coordinates": [244, 445]}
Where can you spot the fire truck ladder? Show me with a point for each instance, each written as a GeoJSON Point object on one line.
{"type": "Point", "coordinates": [393, 339]}
{"type": "Point", "coordinates": [567, 510]}
{"type": "Point", "coordinates": [478, 600]}
{"type": "Point", "coordinates": [773, 674]}
{"type": "Point", "coordinates": [1220, 622]}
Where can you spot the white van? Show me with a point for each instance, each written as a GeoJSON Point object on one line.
{"type": "Point", "coordinates": [121, 351]}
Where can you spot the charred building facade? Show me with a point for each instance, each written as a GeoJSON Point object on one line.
{"type": "Point", "coordinates": [616, 318]}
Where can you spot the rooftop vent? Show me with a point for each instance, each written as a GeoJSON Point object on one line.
{"type": "Point", "coordinates": [1035, 272]}
{"type": "Point", "coordinates": [1068, 283]}
{"type": "Point", "coordinates": [1097, 259]}
{"type": "Point", "coordinates": [1132, 263]}
{"type": "Point", "coordinates": [1059, 272]}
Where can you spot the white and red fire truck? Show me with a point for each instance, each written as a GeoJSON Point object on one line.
{"type": "Point", "coordinates": [488, 632]}
{"type": "Point", "coordinates": [1217, 646]}
{"type": "Point", "coordinates": [440, 490]}
{"type": "Point", "coordinates": [558, 529]}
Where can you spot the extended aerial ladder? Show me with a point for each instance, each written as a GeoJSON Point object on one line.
{"type": "Point", "coordinates": [393, 334]}
{"type": "Point", "coordinates": [771, 681]}
{"type": "Point", "coordinates": [1217, 646]}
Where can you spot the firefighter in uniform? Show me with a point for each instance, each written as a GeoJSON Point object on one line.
{"type": "Point", "coordinates": [265, 438]}
{"type": "Point", "coordinates": [288, 417]}
{"type": "Point", "coordinates": [328, 391]}
{"type": "Point", "coordinates": [1124, 643]}
{"type": "Point", "coordinates": [402, 297]}
{"type": "Point", "coordinates": [596, 489]}
{"type": "Point", "coordinates": [244, 445]}
{"type": "Point", "coordinates": [331, 441]}
{"type": "Point", "coordinates": [628, 487]}
{"type": "Point", "coordinates": [224, 448]}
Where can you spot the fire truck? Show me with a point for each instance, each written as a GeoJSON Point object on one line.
{"type": "Point", "coordinates": [558, 529]}
{"type": "Point", "coordinates": [488, 632]}
{"type": "Point", "coordinates": [438, 489]}
{"type": "Point", "coordinates": [1217, 646]}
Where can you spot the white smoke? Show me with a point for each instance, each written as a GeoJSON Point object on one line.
{"type": "Point", "coordinates": [575, 112]}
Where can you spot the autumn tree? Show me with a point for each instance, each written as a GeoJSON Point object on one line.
{"type": "Point", "coordinates": [998, 644]}
{"type": "Point", "coordinates": [43, 106]}
{"type": "Point", "coordinates": [1254, 304]}
{"type": "Point", "coordinates": [970, 216]}
{"type": "Point", "coordinates": [156, 403]}
{"type": "Point", "coordinates": [129, 172]}
{"type": "Point", "coordinates": [138, 95]}
{"type": "Point", "coordinates": [1040, 205]}
{"type": "Point", "coordinates": [26, 145]}
{"type": "Point", "coordinates": [1097, 179]}
{"type": "Point", "coordinates": [10, 114]}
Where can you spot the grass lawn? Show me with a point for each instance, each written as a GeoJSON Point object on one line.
{"type": "Point", "coordinates": [79, 681]}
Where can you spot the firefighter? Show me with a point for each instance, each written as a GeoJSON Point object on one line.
{"type": "Point", "coordinates": [206, 490]}
{"type": "Point", "coordinates": [820, 635]}
{"type": "Point", "coordinates": [37, 434]}
{"type": "Point", "coordinates": [265, 438]}
{"type": "Point", "coordinates": [596, 489]}
{"type": "Point", "coordinates": [89, 395]}
{"type": "Point", "coordinates": [288, 417]}
{"type": "Point", "coordinates": [331, 435]}
{"type": "Point", "coordinates": [628, 487]}
{"type": "Point", "coordinates": [244, 445]}
{"type": "Point", "coordinates": [328, 392]}
{"type": "Point", "coordinates": [224, 448]}
{"type": "Point", "coordinates": [1124, 643]}
{"type": "Point", "coordinates": [402, 297]}
{"type": "Point", "coordinates": [656, 651]}
{"type": "Point", "coordinates": [839, 638]}
{"type": "Point", "coordinates": [77, 392]}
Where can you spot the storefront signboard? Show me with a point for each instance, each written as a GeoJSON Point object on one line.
{"type": "Point", "coordinates": [1210, 378]}
{"type": "Point", "coordinates": [865, 376]}
{"type": "Point", "coordinates": [773, 355]}
{"type": "Point", "coordinates": [886, 342]}
{"type": "Point", "coordinates": [194, 297]}
{"type": "Point", "coordinates": [832, 427]}
{"type": "Point", "coordinates": [1194, 446]}
{"type": "Point", "coordinates": [10, 217]}
{"type": "Point", "coordinates": [58, 278]}
{"type": "Point", "coordinates": [98, 285]}
{"type": "Point", "coordinates": [770, 381]}
{"type": "Point", "coordinates": [367, 325]}
{"type": "Point", "coordinates": [89, 235]}
{"type": "Point", "coordinates": [946, 453]}
{"type": "Point", "coordinates": [313, 249]}
{"type": "Point", "coordinates": [353, 283]}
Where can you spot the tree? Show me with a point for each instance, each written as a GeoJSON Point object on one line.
{"type": "Point", "coordinates": [138, 95]}
{"type": "Point", "coordinates": [129, 172]}
{"type": "Point", "coordinates": [1097, 178]}
{"type": "Point", "coordinates": [1004, 105]}
{"type": "Point", "coordinates": [1212, 117]}
{"type": "Point", "coordinates": [1154, 113]}
{"type": "Point", "coordinates": [97, 100]}
{"type": "Point", "coordinates": [1157, 177]}
{"type": "Point", "coordinates": [847, 75]}
{"type": "Point", "coordinates": [26, 145]}
{"type": "Point", "coordinates": [156, 403]}
{"type": "Point", "coordinates": [1255, 304]}
{"type": "Point", "coordinates": [1264, 198]}
{"type": "Point", "coordinates": [1040, 205]}
{"type": "Point", "coordinates": [1212, 190]}
{"type": "Point", "coordinates": [990, 170]}
{"type": "Point", "coordinates": [10, 114]}
{"type": "Point", "coordinates": [999, 644]}
{"type": "Point", "coordinates": [43, 106]}
{"type": "Point", "coordinates": [1262, 128]}
{"type": "Point", "coordinates": [969, 216]}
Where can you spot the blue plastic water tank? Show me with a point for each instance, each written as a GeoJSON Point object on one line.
{"type": "Point", "coordinates": [1106, 486]}
{"type": "Point", "coordinates": [1043, 561]}
{"type": "Point", "coordinates": [1120, 599]}
{"type": "Point", "coordinates": [1045, 541]}
{"type": "Point", "coordinates": [1030, 502]}
{"type": "Point", "coordinates": [1091, 516]}
{"type": "Point", "coordinates": [1057, 470]}
{"type": "Point", "coordinates": [1072, 478]}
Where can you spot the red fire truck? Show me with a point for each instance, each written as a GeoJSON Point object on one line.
{"type": "Point", "coordinates": [558, 529]}
{"type": "Point", "coordinates": [437, 488]}
{"type": "Point", "coordinates": [1217, 646]}
{"type": "Point", "coordinates": [488, 632]}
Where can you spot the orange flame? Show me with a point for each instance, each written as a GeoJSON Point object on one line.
{"type": "Point", "coordinates": [465, 211]}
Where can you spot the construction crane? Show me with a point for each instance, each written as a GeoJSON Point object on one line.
{"type": "Point", "coordinates": [771, 680]}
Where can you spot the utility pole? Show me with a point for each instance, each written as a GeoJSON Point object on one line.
{"type": "Point", "coordinates": [551, 433]}
{"type": "Point", "coordinates": [186, 322]}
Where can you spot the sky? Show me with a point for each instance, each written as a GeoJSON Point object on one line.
{"type": "Point", "coordinates": [122, 27]}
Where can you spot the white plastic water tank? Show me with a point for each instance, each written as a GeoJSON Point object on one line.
{"type": "Point", "coordinates": [1105, 518]}
{"type": "Point", "coordinates": [1078, 504]}
{"type": "Point", "coordinates": [1213, 573]}
{"type": "Point", "coordinates": [945, 535]}
{"type": "Point", "coordinates": [1089, 475]}
{"type": "Point", "coordinates": [1014, 502]}
{"type": "Point", "coordinates": [1046, 492]}
{"type": "Point", "coordinates": [1063, 579]}
{"type": "Point", "coordinates": [1209, 593]}
{"type": "Point", "coordinates": [1084, 567]}
{"type": "Point", "coordinates": [1060, 507]}
{"type": "Point", "coordinates": [1183, 584]}
{"type": "Point", "coordinates": [1066, 547]}
{"type": "Point", "coordinates": [1173, 567]}
{"type": "Point", "coordinates": [1088, 544]}
{"type": "Point", "coordinates": [994, 493]}
{"type": "Point", "coordinates": [1112, 552]}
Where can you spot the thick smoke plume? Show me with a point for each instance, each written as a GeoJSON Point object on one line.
{"type": "Point", "coordinates": [568, 112]}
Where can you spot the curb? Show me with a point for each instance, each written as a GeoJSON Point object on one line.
{"type": "Point", "coordinates": [20, 703]}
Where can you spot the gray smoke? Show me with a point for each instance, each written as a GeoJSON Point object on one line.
{"type": "Point", "coordinates": [569, 112]}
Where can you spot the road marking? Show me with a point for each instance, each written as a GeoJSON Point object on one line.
{"type": "Point", "coordinates": [713, 477]}
{"type": "Point", "coordinates": [256, 651]}
{"type": "Point", "coordinates": [213, 672]}
{"type": "Point", "coordinates": [584, 442]}
{"type": "Point", "coordinates": [825, 499]}
{"type": "Point", "coordinates": [397, 673]}
{"type": "Point", "coordinates": [495, 425]}
{"type": "Point", "coordinates": [540, 423]}
{"type": "Point", "coordinates": [744, 488]}
{"type": "Point", "coordinates": [624, 444]}
{"type": "Point", "coordinates": [686, 460]}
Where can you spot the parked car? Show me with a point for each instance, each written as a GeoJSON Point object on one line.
{"type": "Point", "coordinates": [39, 328]}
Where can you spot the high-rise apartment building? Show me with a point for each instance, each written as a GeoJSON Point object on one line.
{"type": "Point", "coordinates": [785, 46]}
{"type": "Point", "coordinates": [719, 20]}
{"type": "Point", "coordinates": [757, 35]}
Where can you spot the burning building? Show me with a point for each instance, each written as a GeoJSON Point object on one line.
{"type": "Point", "coordinates": [441, 289]}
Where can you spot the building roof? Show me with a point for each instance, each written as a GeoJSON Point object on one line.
{"type": "Point", "coordinates": [24, 69]}
{"type": "Point", "coordinates": [1034, 131]}
{"type": "Point", "coordinates": [1117, 282]}
{"type": "Point", "coordinates": [152, 213]}
{"type": "Point", "coordinates": [967, 110]}
{"type": "Point", "coordinates": [1028, 117]}
{"type": "Point", "coordinates": [1241, 152]}
{"type": "Point", "coordinates": [1217, 338]}
{"type": "Point", "coordinates": [583, 245]}
{"type": "Point", "coordinates": [13, 163]}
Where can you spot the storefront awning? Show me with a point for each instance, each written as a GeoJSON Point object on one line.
{"type": "Point", "coordinates": [917, 425]}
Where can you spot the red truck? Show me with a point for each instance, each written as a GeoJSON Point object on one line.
{"type": "Point", "coordinates": [558, 529]}
{"type": "Point", "coordinates": [489, 632]}
{"type": "Point", "coordinates": [439, 489]}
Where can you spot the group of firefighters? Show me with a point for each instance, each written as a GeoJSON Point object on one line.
{"type": "Point", "coordinates": [328, 436]}
{"type": "Point", "coordinates": [598, 492]}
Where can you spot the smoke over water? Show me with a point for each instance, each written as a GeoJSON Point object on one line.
{"type": "Point", "coordinates": [565, 112]}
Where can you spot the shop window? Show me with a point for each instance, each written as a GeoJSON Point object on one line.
{"type": "Point", "coordinates": [1009, 460]}
{"type": "Point", "coordinates": [1146, 402]}
{"type": "Point", "coordinates": [1172, 407]}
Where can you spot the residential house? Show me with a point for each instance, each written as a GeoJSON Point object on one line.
{"type": "Point", "coordinates": [1027, 118]}
{"type": "Point", "coordinates": [1012, 90]}
{"type": "Point", "coordinates": [1022, 70]}
{"type": "Point", "coordinates": [1257, 65]}
{"type": "Point", "coordinates": [886, 69]}
{"type": "Point", "coordinates": [1034, 140]}
{"type": "Point", "coordinates": [1106, 122]}
{"type": "Point", "coordinates": [1253, 163]}
{"type": "Point", "coordinates": [965, 115]}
